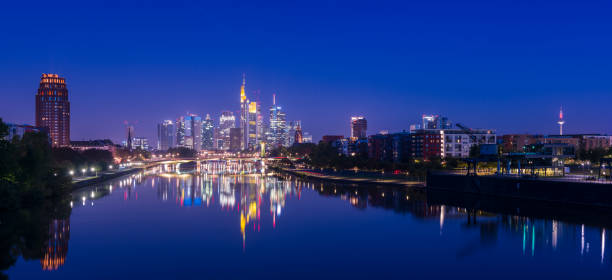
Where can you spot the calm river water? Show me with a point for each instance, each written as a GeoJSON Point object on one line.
{"type": "Point", "coordinates": [163, 226]}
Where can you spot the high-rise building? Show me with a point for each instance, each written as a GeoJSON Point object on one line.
{"type": "Point", "coordinates": [244, 114]}
{"type": "Point", "coordinates": [435, 122]}
{"type": "Point", "coordinates": [254, 126]}
{"type": "Point", "coordinates": [298, 138]}
{"type": "Point", "coordinates": [208, 133]}
{"type": "Point", "coordinates": [277, 133]}
{"type": "Point", "coordinates": [53, 109]}
{"type": "Point", "coordinates": [180, 132]}
{"type": "Point", "coordinates": [359, 126]}
{"type": "Point", "coordinates": [227, 121]}
{"type": "Point", "coordinates": [189, 132]}
{"type": "Point", "coordinates": [165, 135]}
{"type": "Point", "coordinates": [292, 128]}
{"type": "Point", "coordinates": [235, 139]}
{"type": "Point", "coordinates": [193, 132]}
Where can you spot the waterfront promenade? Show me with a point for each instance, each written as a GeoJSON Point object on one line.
{"type": "Point", "coordinates": [356, 177]}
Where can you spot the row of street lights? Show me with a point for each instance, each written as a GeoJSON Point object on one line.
{"type": "Point", "coordinates": [84, 171]}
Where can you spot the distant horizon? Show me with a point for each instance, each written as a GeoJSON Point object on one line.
{"type": "Point", "coordinates": [507, 67]}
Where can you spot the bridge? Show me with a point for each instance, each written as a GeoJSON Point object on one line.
{"type": "Point", "coordinates": [211, 166]}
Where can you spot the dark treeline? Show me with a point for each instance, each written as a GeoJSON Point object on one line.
{"type": "Point", "coordinates": [593, 155]}
{"type": "Point", "coordinates": [325, 155]}
{"type": "Point", "coordinates": [28, 172]}
{"type": "Point", "coordinates": [34, 192]}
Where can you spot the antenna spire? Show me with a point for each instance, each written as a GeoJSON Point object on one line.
{"type": "Point", "coordinates": [561, 122]}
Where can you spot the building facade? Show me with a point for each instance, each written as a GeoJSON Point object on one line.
{"type": "Point", "coordinates": [235, 139]}
{"type": "Point", "coordinates": [18, 130]}
{"type": "Point", "coordinates": [140, 143]}
{"type": "Point", "coordinates": [53, 109]}
{"type": "Point", "coordinates": [227, 121]}
{"type": "Point", "coordinates": [458, 143]}
{"type": "Point", "coordinates": [165, 135]}
{"type": "Point", "coordinates": [277, 134]}
{"type": "Point", "coordinates": [359, 126]}
{"type": "Point", "coordinates": [208, 133]}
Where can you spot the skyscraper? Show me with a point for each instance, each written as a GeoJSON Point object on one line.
{"type": "Point", "coordinates": [193, 132]}
{"type": "Point", "coordinates": [165, 135]}
{"type": "Point", "coordinates": [189, 132]}
{"type": "Point", "coordinates": [180, 132]}
{"type": "Point", "coordinates": [235, 139]}
{"type": "Point", "coordinates": [359, 125]}
{"type": "Point", "coordinates": [298, 138]}
{"type": "Point", "coordinates": [254, 128]}
{"type": "Point", "coordinates": [208, 133]}
{"type": "Point", "coordinates": [53, 109]}
{"type": "Point", "coordinates": [244, 114]}
{"type": "Point", "coordinates": [277, 133]}
{"type": "Point", "coordinates": [226, 122]}
{"type": "Point", "coordinates": [436, 122]}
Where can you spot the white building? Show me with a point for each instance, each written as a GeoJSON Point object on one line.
{"type": "Point", "coordinates": [457, 143]}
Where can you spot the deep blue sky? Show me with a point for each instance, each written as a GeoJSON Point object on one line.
{"type": "Point", "coordinates": [507, 65]}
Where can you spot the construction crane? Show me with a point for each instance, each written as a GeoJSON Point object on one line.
{"type": "Point", "coordinates": [469, 132]}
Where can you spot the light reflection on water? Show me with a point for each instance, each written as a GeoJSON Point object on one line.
{"type": "Point", "coordinates": [256, 201]}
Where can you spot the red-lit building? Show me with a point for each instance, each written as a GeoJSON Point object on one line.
{"type": "Point", "coordinates": [426, 143]}
{"type": "Point", "coordinates": [359, 126]}
{"type": "Point", "coordinates": [53, 109]}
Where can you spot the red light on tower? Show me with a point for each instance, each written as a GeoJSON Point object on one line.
{"type": "Point", "coordinates": [561, 122]}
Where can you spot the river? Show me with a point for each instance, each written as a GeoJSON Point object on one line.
{"type": "Point", "coordinates": [170, 226]}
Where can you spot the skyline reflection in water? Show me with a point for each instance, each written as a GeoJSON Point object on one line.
{"type": "Point", "coordinates": [250, 220]}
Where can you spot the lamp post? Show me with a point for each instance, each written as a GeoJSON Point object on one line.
{"type": "Point", "coordinates": [93, 169]}
{"type": "Point", "coordinates": [83, 171]}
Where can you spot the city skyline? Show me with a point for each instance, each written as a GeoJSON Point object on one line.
{"type": "Point", "coordinates": [486, 71]}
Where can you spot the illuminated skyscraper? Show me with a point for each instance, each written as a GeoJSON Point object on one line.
{"type": "Point", "coordinates": [298, 138]}
{"type": "Point", "coordinates": [244, 114]}
{"type": "Point", "coordinates": [227, 121]}
{"type": "Point", "coordinates": [207, 133]}
{"type": "Point", "coordinates": [254, 125]}
{"type": "Point", "coordinates": [277, 134]}
{"type": "Point", "coordinates": [53, 109]}
{"type": "Point", "coordinates": [165, 135]}
{"type": "Point", "coordinates": [436, 122]}
{"type": "Point", "coordinates": [180, 132]}
{"type": "Point", "coordinates": [189, 132]}
{"type": "Point", "coordinates": [193, 132]}
{"type": "Point", "coordinates": [359, 126]}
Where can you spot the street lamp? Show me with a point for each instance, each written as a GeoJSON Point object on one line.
{"type": "Point", "coordinates": [83, 171]}
{"type": "Point", "coordinates": [94, 169]}
{"type": "Point", "coordinates": [71, 172]}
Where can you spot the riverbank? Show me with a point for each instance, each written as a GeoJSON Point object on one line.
{"type": "Point", "coordinates": [536, 189]}
{"type": "Point", "coordinates": [104, 177]}
{"type": "Point", "coordinates": [352, 179]}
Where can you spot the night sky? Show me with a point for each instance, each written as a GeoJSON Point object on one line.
{"type": "Point", "coordinates": [506, 65]}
